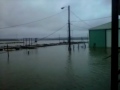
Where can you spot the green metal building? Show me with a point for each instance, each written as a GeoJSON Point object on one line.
{"type": "Point", "coordinates": [100, 36]}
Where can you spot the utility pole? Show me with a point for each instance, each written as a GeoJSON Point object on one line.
{"type": "Point", "coordinates": [69, 34]}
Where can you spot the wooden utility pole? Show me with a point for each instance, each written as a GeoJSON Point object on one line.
{"type": "Point", "coordinates": [69, 36]}
{"type": "Point", "coordinates": [69, 33]}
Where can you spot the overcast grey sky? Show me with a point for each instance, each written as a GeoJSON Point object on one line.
{"type": "Point", "coordinates": [15, 12]}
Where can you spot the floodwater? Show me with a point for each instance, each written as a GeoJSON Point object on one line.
{"type": "Point", "coordinates": [39, 42]}
{"type": "Point", "coordinates": [54, 68]}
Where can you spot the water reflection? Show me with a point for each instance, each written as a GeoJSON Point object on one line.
{"type": "Point", "coordinates": [69, 56]}
{"type": "Point", "coordinates": [69, 74]}
{"type": "Point", "coordinates": [78, 47]}
{"type": "Point", "coordinates": [83, 46]}
{"type": "Point", "coordinates": [105, 50]}
{"type": "Point", "coordinates": [57, 68]}
{"type": "Point", "coordinates": [8, 58]}
{"type": "Point", "coordinates": [99, 67]}
{"type": "Point", "coordinates": [71, 78]}
{"type": "Point", "coordinates": [36, 51]}
{"type": "Point", "coordinates": [73, 47]}
{"type": "Point", "coordinates": [25, 51]}
{"type": "Point", "coordinates": [28, 52]}
{"type": "Point", "coordinates": [99, 52]}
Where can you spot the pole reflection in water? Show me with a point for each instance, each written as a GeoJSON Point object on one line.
{"type": "Point", "coordinates": [28, 52]}
{"type": "Point", "coordinates": [73, 47]}
{"type": "Point", "coordinates": [85, 45]}
{"type": "Point", "coordinates": [78, 47]}
{"type": "Point", "coordinates": [71, 79]}
{"type": "Point", "coordinates": [105, 50]}
{"type": "Point", "coordinates": [69, 71]}
{"type": "Point", "coordinates": [8, 53]}
{"type": "Point", "coordinates": [8, 58]}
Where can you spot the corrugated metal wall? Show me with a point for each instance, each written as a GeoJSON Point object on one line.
{"type": "Point", "coordinates": [98, 37]}
{"type": "Point", "coordinates": [108, 38]}
{"type": "Point", "coordinates": [102, 38]}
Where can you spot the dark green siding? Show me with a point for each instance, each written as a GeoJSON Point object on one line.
{"type": "Point", "coordinates": [98, 37]}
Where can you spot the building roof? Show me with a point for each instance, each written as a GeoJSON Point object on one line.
{"type": "Point", "coordinates": [104, 26]}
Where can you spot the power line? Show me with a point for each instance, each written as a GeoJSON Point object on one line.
{"type": "Point", "coordinates": [81, 30]}
{"type": "Point", "coordinates": [53, 32]}
{"type": "Point", "coordinates": [81, 20]}
{"type": "Point", "coordinates": [79, 27]}
{"type": "Point", "coordinates": [93, 19]}
{"type": "Point", "coordinates": [32, 21]}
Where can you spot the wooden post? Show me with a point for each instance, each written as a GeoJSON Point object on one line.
{"type": "Point", "coordinates": [23, 41]}
{"type": "Point", "coordinates": [78, 45]}
{"type": "Point", "coordinates": [29, 41]}
{"type": "Point", "coordinates": [7, 51]}
{"type": "Point", "coordinates": [26, 41]}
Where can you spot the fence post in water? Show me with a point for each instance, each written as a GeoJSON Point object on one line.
{"type": "Point", "coordinates": [7, 51]}
{"type": "Point", "coordinates": [31, 41]}
{"type": "Point", "coordinates": [35, 40]}
{"type": "Point", "coordinates": [73, 47]}
{"type": "Point", "coordinates": [26, 41]}
{"type": "Point", "coordinates": [85, 45]}
{"type": "Point", "coordinates": [78, 46]}
{"type": "Point", "coordinates": [28, 52]}
{"type": "Point", "coordinates": [23, 41]}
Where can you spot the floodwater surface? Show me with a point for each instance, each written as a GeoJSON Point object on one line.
{"type": "Point", "coordinates": [54, 68]}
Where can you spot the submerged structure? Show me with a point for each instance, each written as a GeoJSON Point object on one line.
{"type": "Point", "coordinates": [100, 36]}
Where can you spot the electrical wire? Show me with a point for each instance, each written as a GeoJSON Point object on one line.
{"type": "Point", "coordinates": [32, 21]}
{"type": "Point", "coordinates": [53, 32]}
{"type": "Point", "coordinates": [81, 19]}
{"type": "Point", "coordinates": [93, 19]}
{"type": "Point", "coordinates": [79, 27]}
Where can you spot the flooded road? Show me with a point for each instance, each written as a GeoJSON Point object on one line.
{"type": "Point", "coordinates": [54, 68]}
